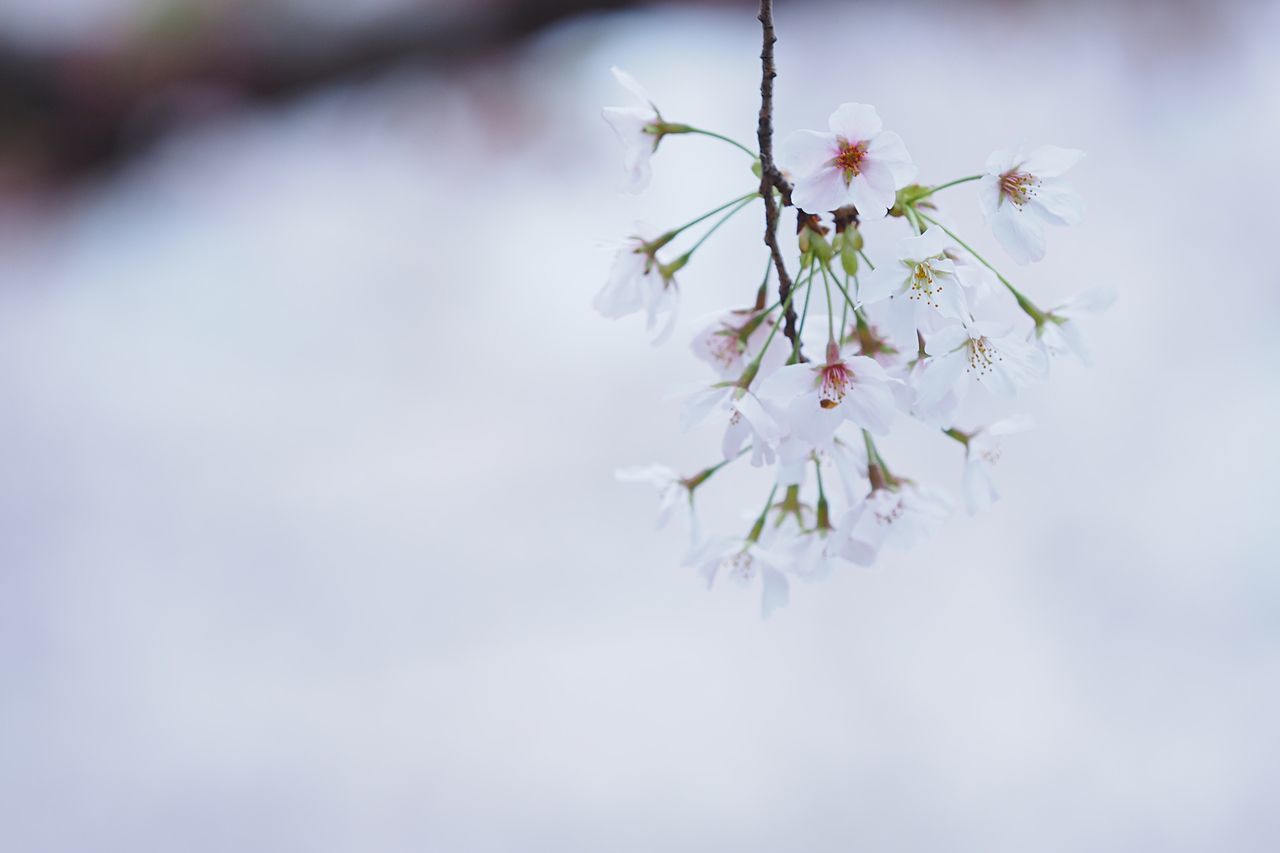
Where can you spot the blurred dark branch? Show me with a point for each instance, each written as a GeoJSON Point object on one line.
{"type": "Point", "coordinates": [68, 115]}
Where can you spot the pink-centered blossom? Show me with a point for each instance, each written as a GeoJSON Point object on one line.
{"type": "Point", "coordinates": [856, 162]}
{"type": "Point", "coordinates": [1022, 191]}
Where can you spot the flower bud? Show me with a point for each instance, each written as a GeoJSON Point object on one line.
{"type": "Point", "coordinates": [849, 255]}
{"type": "Point", "coordinates": [821, 247]}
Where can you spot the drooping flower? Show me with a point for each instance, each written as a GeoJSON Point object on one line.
{"type": "Point", "coordinates": [743, 561]}
{"type": "Point", "coordinates": [983, 354]}
{"type": "Point", "coordinates": [1061, 334]}
{"type": "Point", "coordinates": [745, 415]}
{"type": "Point", "coordinates": [898, 516]}
{"type": "Point", "coordinates": [638, 282]}
{"type": "Point", "coordinates": [731, 340]}
{"type": "Point", "coordinates": [672, 488]}
{"type": "Point", "coordinates": [921, 290]}
{"type": "Point", "coordinates": [1020, 192]}
{"type": "Point", "coordinates": [820, 397]}
{"type": "Point", "coordinates": [856, 163]}
{"type": "Point", "coordinates": [638, 128]}
{"type": "Point", "coordinates": [982, 452]}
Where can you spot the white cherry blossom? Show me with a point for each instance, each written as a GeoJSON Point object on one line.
{"type": "Point", "coordinates": [1020, 192]}
{"type": "Point", "coordinates": [636, 127]}
{"type": "Point", "coordinates": [672, 488]}
{"type": "Point", "coordinates": [1060, 334]}
{"type": "Point", "coordinates": [982, 452]}
{"type": "Point", "coordinates": [731, 340]}
{"type": "Point", "coordinates": [919, 291]}
{"type": "Point", "coordinates": [855, 163]}
{"type": "Point", "coordinates": [742, 561]}
{"type": "Point", "coordinates": [636, 283]}
{"type": "Point", "coordinates": [984, 354]}
{"type": "Point", "coordinates": [820, 397]}
{"type": "Point", "coordinates": [899, 516]}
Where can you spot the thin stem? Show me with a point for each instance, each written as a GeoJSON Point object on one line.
{"type": "Point", "coordinates": [758, 527]}
{"type": "Point", "coordinates": [710, 213]}
{"type": "Point", "coordinates": [939, 187]}
{"type": "Point", "coordinates": [863, 255]}
{"type": "Point", "coordinates": [831, 312]}
{"type": "Point", "coordinates": [706, 473]}
{"type": "Point", "coordinates": [754, 367]}
{"type": "Point", "coordinates": [1023, 302]}
{"type": "Point", "coordinates": [804, 315]}
{"type": "Point", "coordinates": [735, 143]}
{"type": "Point", "coordinates": [741, 204]}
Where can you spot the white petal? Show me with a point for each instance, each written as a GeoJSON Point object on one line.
{"type": "Point", "coordinates": [934, 241]}
{"type": "Point", "coordinates": [939, 375]}
{"type": "Point", "coordinates": [889, 149]}
{"type": "Point", "coordinates": [870, 407]}
{"type": "Point", "coordinates": [1057, 202]}
{"type": "Point", "coordinates": [979, 490]}
{"type": "Point", "coordinates": [631, 85]}
{"type": "Point", "coordinates": [989, 195]}
{"type": "Point", "coordinates": [774, 591]}
{"type": "Point", "coordinates": [855, 122]}
{"type": "Point", "coordinates": [804, 152]}
{"type": "Point", "coordinates": [1021, 235]}
{"type": "Point", "coordinates": [820, 191]}
{"type": "Point", "coordinates": [1049, 161]}
{"type": "Point", "coordinates": [788, 382]}
{"type": "Point", "coordinates": [880, 283]}
{"type": "Point", "coordinates": [872, 202]}
{"type": "Point", "coordinates": [1003, 160]}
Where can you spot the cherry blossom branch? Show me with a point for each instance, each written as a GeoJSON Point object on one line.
{"type": "Point", "coordinates": [770, 176]}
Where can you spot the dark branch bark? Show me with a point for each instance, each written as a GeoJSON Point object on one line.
{"type": "Point", "coordinates": [770, 177]}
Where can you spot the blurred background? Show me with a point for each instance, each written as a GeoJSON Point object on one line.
{"type": "Point", "coordinates": [309, 539]}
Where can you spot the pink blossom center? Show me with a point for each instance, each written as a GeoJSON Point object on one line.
{"type": "Point", "coordinates": [849, 158]}
{"type": "Point", "coordinates": [836, 379]}
{"type": "Point", "coordinates": [1018, 187]}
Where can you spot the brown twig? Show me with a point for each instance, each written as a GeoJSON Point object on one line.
{"type": "Point", "coordinates": [770, 177]}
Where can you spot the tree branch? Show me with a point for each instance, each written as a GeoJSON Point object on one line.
{"type": "Point", "coordinates": [770, 177]}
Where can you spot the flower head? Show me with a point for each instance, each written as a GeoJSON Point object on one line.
{"type": "Point", "coordinates": [921, 290]}
{"type": "Point", "coordinates": [638, 128]}
{"type": "Point", "coordinates": [978, 354]}
{"type": "Point", "coordinates": [1020, 192]}
{"type": "Point", "coordinates": [672, 488]}
{"type": "Point", "coordinates": [742, 561]}
{"type": "Point", "coordinates": [982, 452]}
{"type": "Point", "coordinates": [856, 163]}
{"type": "Point", "coordinates": [1061, 334]}
{"type": "Point", "coordinates": [730, 341]}
{"type": "Point", "coordinates": [639, 282]}
{"type": "Point", "coordinates": [820, 397]}
{"type": "Point", "coordinates": [900, 516]}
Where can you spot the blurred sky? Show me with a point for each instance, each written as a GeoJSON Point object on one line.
{"type": "Point", "coordinates": [309, 539]}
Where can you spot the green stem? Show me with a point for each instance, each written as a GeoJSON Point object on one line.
{"type": "Point", "coordinates": [723, 138]}
{"type": "Point", "coordinates": [670, 235]}
{"type": "Point", "coordinates": [1024, 303]}
{"type": "Point", "coordinates": [754, 367]}
{"type": "Point", "coordinates": [939, 187]}
{"type": "Point", "coordinates": [758, 527]}
{"type": "Point", "coordinates": [804, 315]}
{"type": "Point", "coordinates": [722, 220]}
{"type": "Point", "coordinates": [831, 312]}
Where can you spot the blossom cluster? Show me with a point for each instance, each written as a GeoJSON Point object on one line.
{"type": "Point", "coordinates": [807, 392]}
